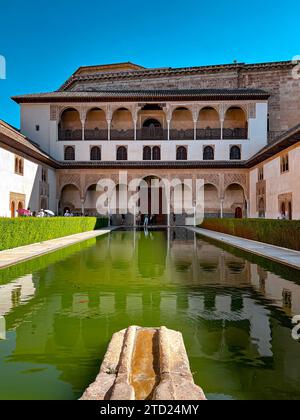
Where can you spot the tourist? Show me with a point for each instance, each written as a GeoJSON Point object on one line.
{"type": "Point", "coordinates": [41, 213]}
{"type": "Point", "coordinates": [146, 221]}
{"type": "Point", "coordinates": [67, 214]}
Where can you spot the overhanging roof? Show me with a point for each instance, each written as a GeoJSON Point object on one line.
{"type": "Point", "coordinates": [144, 95]}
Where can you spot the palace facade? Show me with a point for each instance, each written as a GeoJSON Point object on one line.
{"type": "Point", "coordinates": [234, 126]}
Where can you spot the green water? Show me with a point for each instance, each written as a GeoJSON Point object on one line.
{"type": "Point", "coordinates": [62, 309]}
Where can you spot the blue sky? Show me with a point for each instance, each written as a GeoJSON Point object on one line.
{"type": "Point", "coordinates": [45, 42]}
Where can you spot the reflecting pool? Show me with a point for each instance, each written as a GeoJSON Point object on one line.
{"type": "Point", "coordinates": [234, 310]}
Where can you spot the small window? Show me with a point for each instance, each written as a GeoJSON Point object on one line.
{"type": "Point", "coordinates": [95, 153]}
{"type": "Point", "coordinates": [181, 153]}
{"type": "Point", "coordinates": [235, 153]}
{"type": "Point", "coordinates": [19, 165]}
{"type": "Point", "coordinates": [261, 173]}
{"type": "Point", "coordinates": [44, 174]}
{"type": "Point", "coordinates": [37, 128]}
{"type": "Point", "coordinates": [208, 153]}
{"type": "Point", "coordinates": [285, 165]}
{"type": "Point", "coordinates": [122, 153]}
{"type": "Point", "coordinates": [147, 153]}
{"type": "Point", "coordinates": [70, 153]}
{"type": "Point", "coordinates": [156, 155]}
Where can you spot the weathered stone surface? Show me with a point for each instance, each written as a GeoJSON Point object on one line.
{"type": "Point", "coordinates": [145, 363]}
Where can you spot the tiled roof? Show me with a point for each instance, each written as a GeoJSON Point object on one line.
{"type": "Point", "coordinates": [287, 139]}
{"type": "Point", "coordinates": [164, 94]}
{"type": "Point", "coordinates": [81, 76]}
{"type": "Point", "coordinates": [12, 137]}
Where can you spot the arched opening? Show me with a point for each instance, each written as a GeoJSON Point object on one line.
{"type": "Point", "coordinates": [209, 124]}
{"type": "Point", "coordinates": [91, 197]}
{"type": "Point", "coordinates": [152, 123]}
{"type": "Point", "coordinates": [156, 154]}
{"type": "Point", "coordinates": [234, 201]}
{"type": "Point", "coordinates": [44, 204]}
{"type": "Point", "coordinates": [181, 203]}
{"type": "Point", "coordinates": [69, 153]}
{"type": "Point", "coordinates": [118, 206]}
{"type": "Point", "coordinates": [69, 127]}
{"type": "Point", "coordinates": [283, 209]}
{"type": "Point", "coordinates": [211, 201]}
{"type": "Point", "coordinates": [182, 125]}
{"type": "Point", "coordinates": [235, 153]}
{"type": "Point", "coordinates": [235, 124]}
{"type": "Point", "coordinates": [181, 153]}
{"type": "Point", "coordinates": [238, 213]}
{"type": "Point", "coordinates": [122, 153]}
{"type": "Point", "coordinates": [147, 153]}
{"type": "Point", "coordinates": [95, 153]}
{"type": "Point", "coordinates": [208, 153]}
{"type": "Point", "coordinates": [122, 125]}
{"type": "Point", "coordinates": [20, 206]}
{"type": "Point", "coordinates": [70, 199]}
{"type": "Point", "coordinates": [95, 125]}
{"type": "Point", "coordinates": [261, 208]}
{"type": "Point", "coordinates": [152, 130]}
{"type": "Point", "coordinates": [13, 210]}
{"type": "Point", "coordinates": [153, 201]}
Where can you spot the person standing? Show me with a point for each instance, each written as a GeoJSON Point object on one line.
{"type": "Point", "coordinates": [146, 221]}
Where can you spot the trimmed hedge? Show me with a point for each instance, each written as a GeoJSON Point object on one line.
{"type": "Point", "coordinates": [24, 231]}
{"type": "Point", "coordinates": [284, 233]}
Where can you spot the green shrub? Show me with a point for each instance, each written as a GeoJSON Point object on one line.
{"type": "Point", "coordinates": [284, 233]}
{"type": "Point", "coordinates": [24, 231]}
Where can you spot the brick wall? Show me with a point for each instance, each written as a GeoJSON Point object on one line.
{"type": "Point", "coordinates": [276, 78]}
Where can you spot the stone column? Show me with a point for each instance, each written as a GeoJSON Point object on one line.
{"type": "Point", "coordinates": [169, 124]}
{"type": "Point", "coordinates": [83, 128]}
{"type": "Point", "coordinates": [222, 127]}
{"type": "Point", "coordinates": [82, 206]}
{"type": "Point", "coordinates": [135, 129]}
{"type": "Point", "coordinates": [108, 129]}
{"type": "Point", "coordinates": [195, 130]}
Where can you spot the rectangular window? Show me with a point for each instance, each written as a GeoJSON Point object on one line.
{"type": "Point", "coordinates": [284, 164]}
{"type": "Point", "coordinates": [261, 173]}
{"type": "Point", "coordinates": [44, 175]}
{"type": "Point", "coordinates": [19, 165]}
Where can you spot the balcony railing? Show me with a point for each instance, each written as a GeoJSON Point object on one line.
{"type": "Point", "coordinates": [235, 133]}
{"type": "Point", "coordinates": [70, 135]}
{"type": "Point", "coordinates": [181, 134]}
{"type": "Point", "coordinates": [208, 133]}
{"type": "Point", "coordinates": [159, 133]}
{"type": "Point", "coordinates": [96, 134]}
{"type": "Point", "coordinates": [122, 134]}
{"type": "Point", "coordinates": [152, 133]}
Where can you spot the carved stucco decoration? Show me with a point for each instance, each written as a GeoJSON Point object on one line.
{"type": "Point", "coordinates": [236, 178]}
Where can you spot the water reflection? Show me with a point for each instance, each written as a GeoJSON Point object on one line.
{"type": "Point", "coordinates": [234, 314]}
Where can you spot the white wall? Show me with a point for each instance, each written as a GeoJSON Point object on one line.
{"type": "Point", "coordinates": [28, 184]}
{"type": "Point", "coordinates": [33, 114]}
{"type": "Point", "coordinates": [277, 184]}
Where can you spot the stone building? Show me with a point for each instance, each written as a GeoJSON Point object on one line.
{"type": "Point", "coordinates": [234, 126]}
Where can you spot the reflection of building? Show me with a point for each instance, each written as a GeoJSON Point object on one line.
{"type": "Point", "coordinates": [225, 306]}
{"type": "Point", "coordinates": [228, 125]}
{"type": "Point", "coordinates": [16, 293]}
